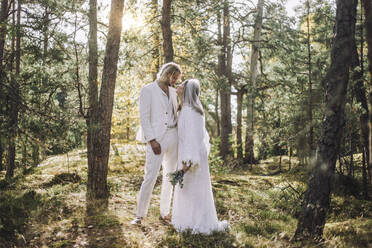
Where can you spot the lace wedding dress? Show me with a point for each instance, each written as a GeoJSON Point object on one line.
{"type": "Point", "coordinates": [193, 205]}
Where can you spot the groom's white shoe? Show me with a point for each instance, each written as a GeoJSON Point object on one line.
{"type": "Point", "coordinates": [136, 221]}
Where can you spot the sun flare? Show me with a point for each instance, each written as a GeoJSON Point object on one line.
{"type": "Point", "coordinates": [132, 20]}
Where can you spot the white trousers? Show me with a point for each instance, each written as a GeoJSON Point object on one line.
{"type": "Point", "coordinates": [169, 152]}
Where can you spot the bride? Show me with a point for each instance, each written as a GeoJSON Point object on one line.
{"type": "Point", "coordinates": [193, 204]}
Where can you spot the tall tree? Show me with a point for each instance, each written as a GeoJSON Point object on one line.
{"type": "Point", "coordinates": [3, 31]}
{"type": "Point", "coordinates": [167, 31]}
{"type": "Point", "coordinates": [249, 142]}
{"type": "Point", "coordinates": [91, 118]}
{"type": "Point", "coordinates": [361, 96]}
{"type": "Point", "coordinates": [45, 32]}
{"type": "Point", "coordinates": [98, 166]}
{"type": "Point", "coordinates": [155, 36]}
{"type": "Point", "coordinates": [224, 72]}
{"type": "Point", "coordinates": [14, 108]}
{"type": "Point", "coordinates": [310, 82]}
{"type": "Point", "coordinates": [316, 200]}
{"type": "Point", "coordinates": [239, 116]}
{"type": "Point", "coordinates": [216, 112]}
{"type": "Point", "coordinates": [368, 18]}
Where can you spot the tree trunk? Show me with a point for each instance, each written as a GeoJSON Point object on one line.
{"type": "Point", "coordinates": [3, 29]}
{"type": "Point", "coordinates": [239, 124]}
{"type": "Point", "coordinates": [91, 120]}
{"type": "Point", "coordinates": [1, 153]}
{"type": "Point", "coordinates": [364, 174]}
{"type": "Point", "coordinates": [167, 31]}
{"type": "Point", "coordinates": [368, 24]}
{"type": "Point", "coordinates": [216, 107]}
{"type": "Point", "coordinates": [221, 82]}
{"type": "Point", "coordinates": [45, 33]}
{"type": "Point", "coordinates": [35, 154]}
{"type": "Point", "coordinates": [361, 97]}
{"type": "Point", "coordinates": [316, 201]}
{"type": "Point", "coordinates": [98, 169]}
{"type": "Point", "coordinates": [224, 61]}
{"type": "Point", "coordinates": [156, 41]}
{"type": "Point", "coordinates": [249, 141]}
{"type": "Point", "coordinates": [12, 45]}
{"type": "Point", "coordinates": [24, 154]}
{"type": "Point", "coordinates": [93, 57]}
{"type": "Point", "coordinates": [340, 165]}
{"type": "Point", "coordinates": [310, 83]}
{"type": "Point", "coordinates": [351, 145]}
{"type": "Point", "coordinates": [13, 117]}
{"type": "Point", "coordinates": [290, 156]}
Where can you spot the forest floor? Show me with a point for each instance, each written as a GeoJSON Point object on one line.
{"type": "Point", "coordinates": [47, 208]}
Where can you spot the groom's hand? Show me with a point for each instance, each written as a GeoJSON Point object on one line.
{"type": "Point", "coordinates": [155, 147]}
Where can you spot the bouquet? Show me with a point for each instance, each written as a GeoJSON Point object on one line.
{"type": "Point", "coordinates": [177, 176]}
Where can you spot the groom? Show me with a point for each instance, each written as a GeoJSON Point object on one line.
{"type": "Point", "coordinates": [158, 116]}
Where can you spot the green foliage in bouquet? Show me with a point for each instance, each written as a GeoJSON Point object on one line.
{"type": "Point", "coordinates": [176, 177]}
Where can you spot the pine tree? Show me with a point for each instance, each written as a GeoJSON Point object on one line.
{"type": "Point", "coordinates": [317, 197]}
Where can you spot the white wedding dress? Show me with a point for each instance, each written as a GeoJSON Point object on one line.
{"type": "Point", "coordinates": [193, 205]}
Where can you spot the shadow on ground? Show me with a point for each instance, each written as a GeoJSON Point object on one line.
{"type": "Point", "coordinates": [103, 227]}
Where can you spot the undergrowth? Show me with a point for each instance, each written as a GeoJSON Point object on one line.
{"type": "Point", "coordinates": [47, 207]}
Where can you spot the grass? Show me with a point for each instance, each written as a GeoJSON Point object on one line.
{"type": "Point", "coordinates": [47, 207]}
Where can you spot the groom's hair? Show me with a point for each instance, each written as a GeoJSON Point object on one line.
{"type": "Point", "coordinates": [167, 70]}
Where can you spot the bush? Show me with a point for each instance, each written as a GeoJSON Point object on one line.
{"type": "Point", "coordinates": [14, 212]}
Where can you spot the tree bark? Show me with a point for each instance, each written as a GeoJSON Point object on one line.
{"type": "Point", "coordinates": [224, 71]}
{"type": "Point", "coordinates": [98, 169]}
{"type": "Point", "coordinates": [220, 72]}
{"type": "Point", "coordinates": [249, 141]}
{"type": "Point", "coordinates": [3, 29]}
{"type": "Point", "coordinates": [361, 97]}
{"type": "Point", "coordinates": [167, 31]}
{"type": "Point", "coordinates": [3, 32]}
{"type": "Point", "coordinates": [91, 118]}
{"type": "Point", "coordinates": [24, 153]}
{"type": "Point", "coordinates": [368, 24]}
{"type": "Point", "coordinates": [35, 154]}
{"type": "Point", "coordinates": [14, 109]}
{"type": "Point", "coordinates": [45, 32]}
{"type": "Point", "coordinates": [93, 57]}
{"type": "Point", "coordinates": [1, 153]}
{"type": "Point", "coordinates": [316, 200]}
{"type": "Point", "coordinates": [310, 83]}
{"type": "Point", "coordinates": [239, 142]}
{"type": "Point", "coordinates": [156, 41]}
{"type": "Point", "coordinates": [216, 108]}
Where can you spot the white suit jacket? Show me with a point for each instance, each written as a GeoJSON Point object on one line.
{"type": "Point", "coordinates": [153, 112]}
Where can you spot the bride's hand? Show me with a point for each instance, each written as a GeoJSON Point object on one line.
{"type": "Point", "coordinates": [185, 167]}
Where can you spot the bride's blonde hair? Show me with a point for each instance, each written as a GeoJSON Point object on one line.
{"type": "Point", "coordinates": [191, 94]}
{"type": "Point", "coordinates": [167, 71]}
